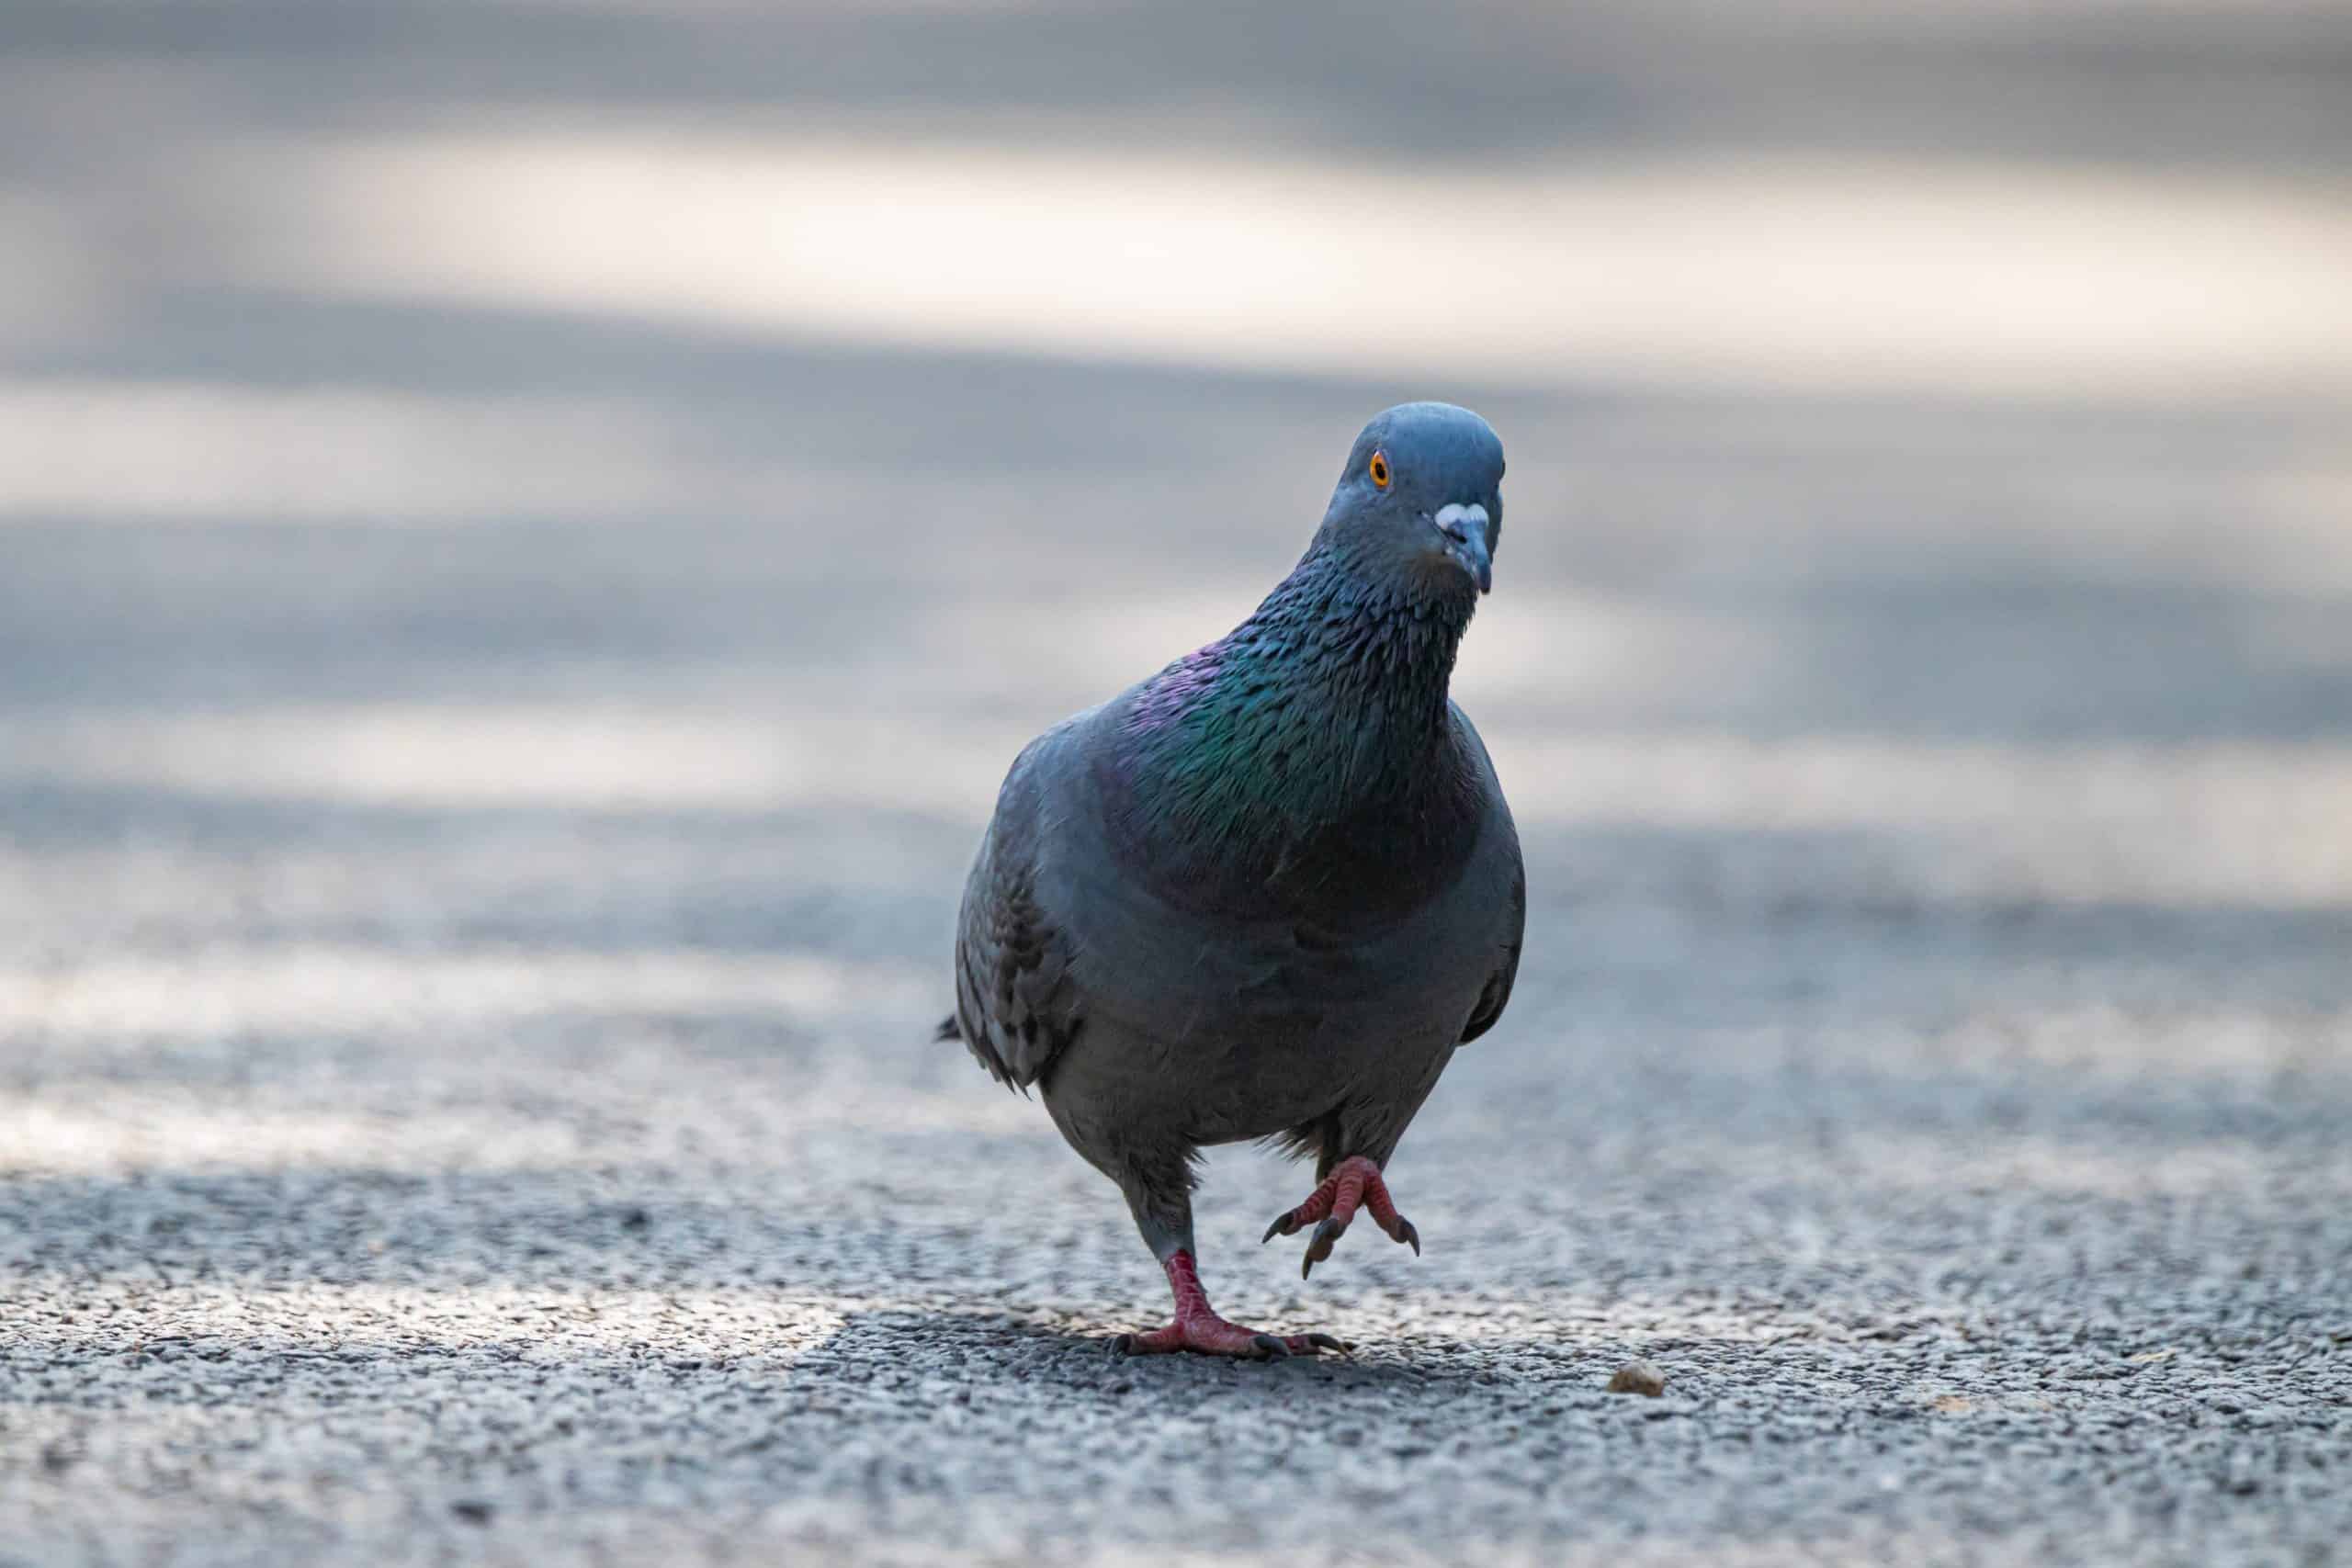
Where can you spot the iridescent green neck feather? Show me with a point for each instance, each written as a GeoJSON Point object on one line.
{"type": "Point", "coordinates": [1326, 707]}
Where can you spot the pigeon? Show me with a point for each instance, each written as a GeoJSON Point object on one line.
{"type": "Point", "coordinates": [1264, 894]}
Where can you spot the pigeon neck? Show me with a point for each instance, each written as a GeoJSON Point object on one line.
{"type": "Point", "coordinates": [1327, 706]}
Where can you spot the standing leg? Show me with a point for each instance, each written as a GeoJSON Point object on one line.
{"type": "Point", "coordinates": [1159, 1196]}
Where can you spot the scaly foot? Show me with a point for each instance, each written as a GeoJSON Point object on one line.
{"type": "Point", "coordinates": [1354, 1180]}
{"type": "Point", "coordinates": [1198, 1327]}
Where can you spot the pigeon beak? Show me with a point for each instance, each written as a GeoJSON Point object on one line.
{"type": "Point", "coordinates": [1464, 528]}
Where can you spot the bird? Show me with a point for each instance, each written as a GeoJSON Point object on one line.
{"type": "Point", "coordinates": [1263, 894]}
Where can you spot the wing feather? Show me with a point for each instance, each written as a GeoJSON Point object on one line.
{"type": "Point", "coordinates": [1496, 995]}
{"type": "Point", "coordinates": [1504, 834]}
{"type": "Point", "coordinates": [1016, 1005]}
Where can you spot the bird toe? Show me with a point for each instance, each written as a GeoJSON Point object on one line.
{"type": "Point", "coordinates": [1319, 1247]}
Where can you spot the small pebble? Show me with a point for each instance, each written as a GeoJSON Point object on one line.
{"type": "Point", "coordinates": [1638, 1377]}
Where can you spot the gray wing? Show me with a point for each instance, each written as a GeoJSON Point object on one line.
{"type": "Point", "coordinates": [1016, 1004]}
{"type": "Point", "coordinates": [1496, 995]}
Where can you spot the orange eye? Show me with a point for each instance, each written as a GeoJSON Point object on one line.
{"type": "Point", "coordinates": [1379, 470]}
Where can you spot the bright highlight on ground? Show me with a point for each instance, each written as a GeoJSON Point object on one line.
{"type": "Point", "coordinates": [1928, 275]}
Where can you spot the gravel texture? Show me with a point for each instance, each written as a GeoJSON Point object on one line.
{"type": "Point", "coordinates": [466, 967]}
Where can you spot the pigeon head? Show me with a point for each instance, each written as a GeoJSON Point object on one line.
{"type": "Point", "coordinates": [1327, 708]}
{"type": "Point", "coordinates": [1420, 505]}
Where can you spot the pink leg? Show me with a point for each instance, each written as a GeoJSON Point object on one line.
{"type": "Point", "coordinates": [1354, 1180]}
{"type": "Point", "coordinates": [1198, 1327]}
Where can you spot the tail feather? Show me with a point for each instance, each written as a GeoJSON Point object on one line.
{"type": "Point", "coordinates": [949, 1030]}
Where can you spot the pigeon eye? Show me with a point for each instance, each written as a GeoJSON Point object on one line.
{"type": "Point", "coordinates": [1378, 470]}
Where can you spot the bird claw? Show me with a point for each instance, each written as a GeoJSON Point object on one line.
{"type": "Point", "coordinates": [1319, 1246]}
{"type": "Point", "coordinates": [1353, 1181]}
{"type": "Point", "coordinates": [1215, 1337]}
{"type": "Point", "coordinates": [1274, 1347]}
{"type": "Point", "coordinates": [1198, 1327]}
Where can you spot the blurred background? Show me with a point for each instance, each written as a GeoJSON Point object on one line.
{"type": "Point", "coordinates": [530, 530]}
{"type": "Point", "coordinates": [602, 476]}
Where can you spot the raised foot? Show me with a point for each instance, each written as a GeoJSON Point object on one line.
{"type": "Point", "coordinates": [1212, 1336]}
{"type": "Point", "coordinates": [1354, 1180]}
